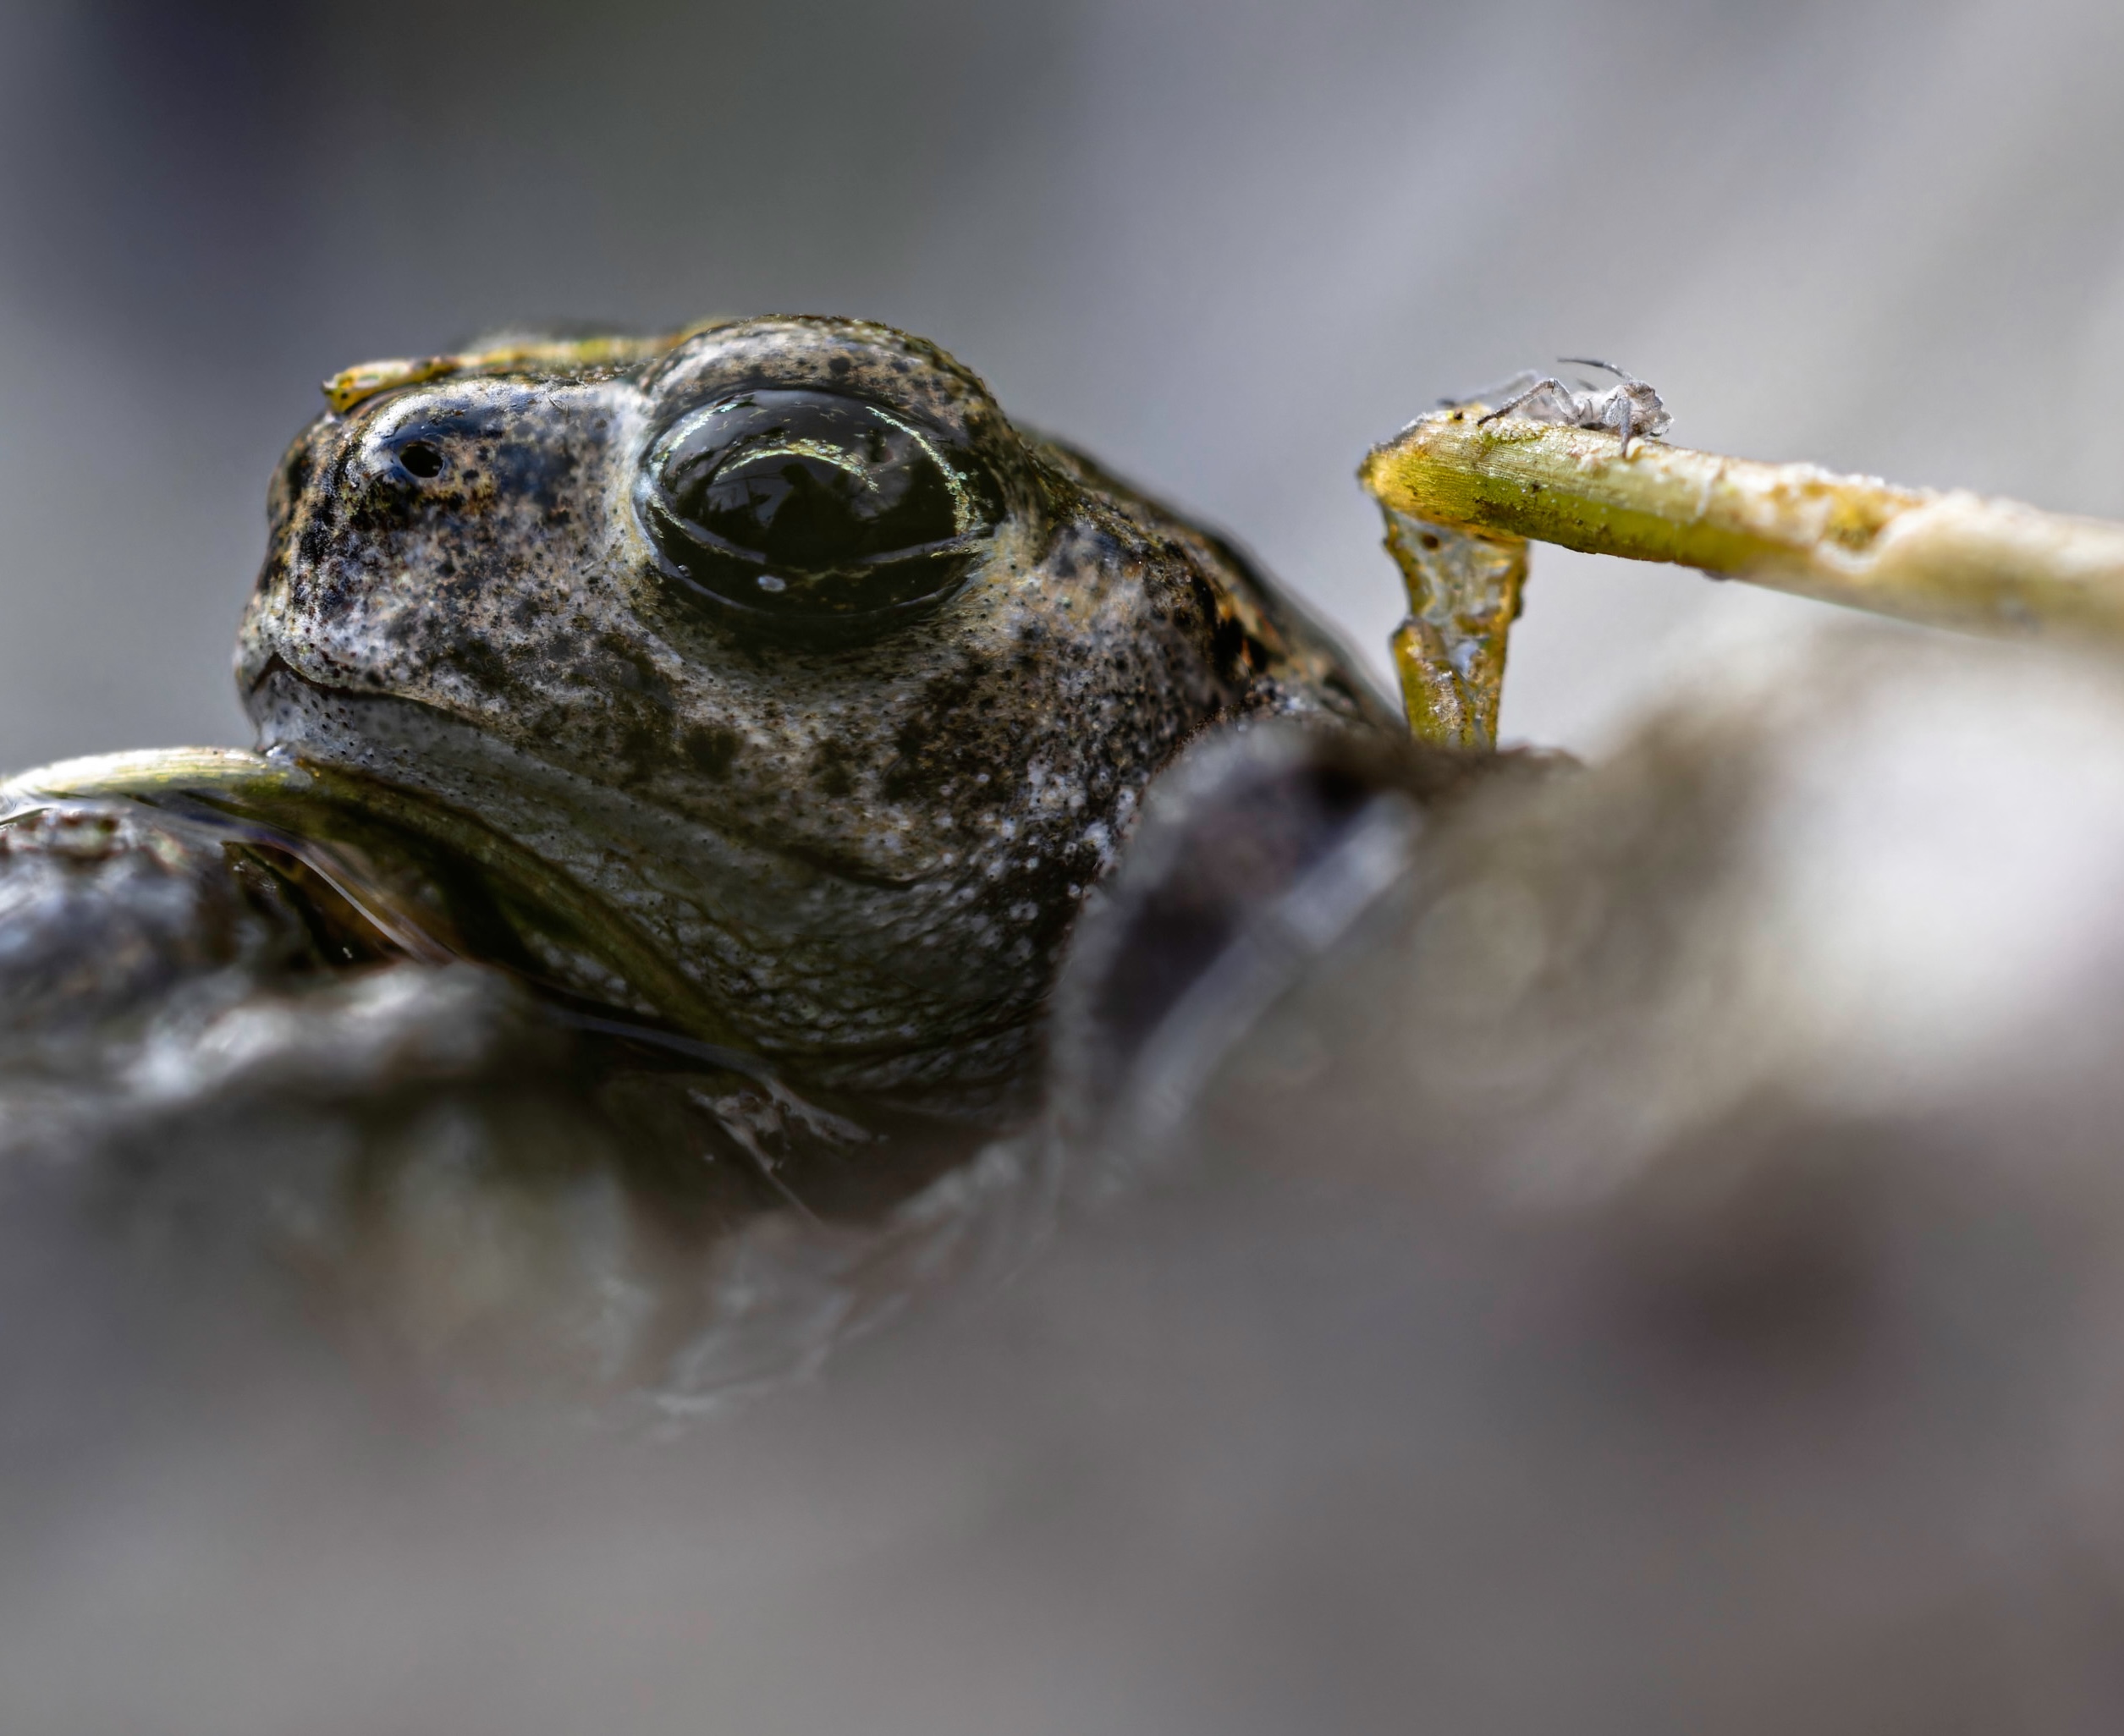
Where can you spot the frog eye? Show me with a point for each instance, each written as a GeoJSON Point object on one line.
{"type": "Point", "coordinates": [808, 509]}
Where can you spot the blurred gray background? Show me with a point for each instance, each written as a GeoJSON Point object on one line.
{"type": "Point", "coordinates": [1281, 1459]}
{"type": "Point", "coordinates": [1227, 247]}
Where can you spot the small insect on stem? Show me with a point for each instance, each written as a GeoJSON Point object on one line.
{"type": "Point", "coordinates": [1948, 559]}
{"type": "Point", "coordinates": [1630, 407]}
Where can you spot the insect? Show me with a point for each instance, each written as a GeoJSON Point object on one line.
{"type": "Point", "coordinates": [1630, 407]}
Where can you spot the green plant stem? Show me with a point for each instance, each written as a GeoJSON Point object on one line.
{"type": "Point", "coordinates": [1953, 559]}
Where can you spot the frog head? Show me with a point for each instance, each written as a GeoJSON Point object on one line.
{"type": "Point", "coordinates": [782, 641]}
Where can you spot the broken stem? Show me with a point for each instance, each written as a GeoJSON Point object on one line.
{"type": "Point", "coordinates": [1464, 592]}
{"type": "Point", "coordinates": [1945, 559]}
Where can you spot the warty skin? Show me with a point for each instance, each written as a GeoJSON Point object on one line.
{"type": "Point", "coordinates": [868, 844]}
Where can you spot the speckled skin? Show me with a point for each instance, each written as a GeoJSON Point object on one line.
{"type": "Point", "coordinates": [868, 852]}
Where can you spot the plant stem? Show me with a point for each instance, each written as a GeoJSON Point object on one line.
{"type": "Point", "coordinates": [1464, 593]}
{"type": "Point", "coordinates": [1945, 559]}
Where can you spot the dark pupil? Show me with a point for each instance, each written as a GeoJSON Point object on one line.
{"type": "Point", "coordinates": [800, 503]}
{"type": "Point", "coordinates": [818, 486]}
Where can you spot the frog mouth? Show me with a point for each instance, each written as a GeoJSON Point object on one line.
{"type": "Point", "coordinates": [663, 911]}
{"type": "Point", "coordinates": [277, 665]}
{"type": "Point", "coordinates": [439, 726]}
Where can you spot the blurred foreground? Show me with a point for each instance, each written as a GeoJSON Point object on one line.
{"type": "Point", "coordinates": [1627, 1248]}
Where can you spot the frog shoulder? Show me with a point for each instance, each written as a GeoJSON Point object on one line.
{"type": "Point", "coordinates": [1286, 662]}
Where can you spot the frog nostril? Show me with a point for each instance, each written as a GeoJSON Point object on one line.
{"type": "Point", "coordinates": [420, 459]}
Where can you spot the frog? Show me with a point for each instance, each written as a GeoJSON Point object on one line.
{"type": "Point", "coordinates": [731, 724]}
{"type": "Point", "coordinates": [787, 646]}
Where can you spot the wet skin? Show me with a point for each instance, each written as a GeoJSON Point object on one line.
{"type": "Point", "coordinates": [787, 647]}
{"type": "Point", "coordinates": [681, 765]}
